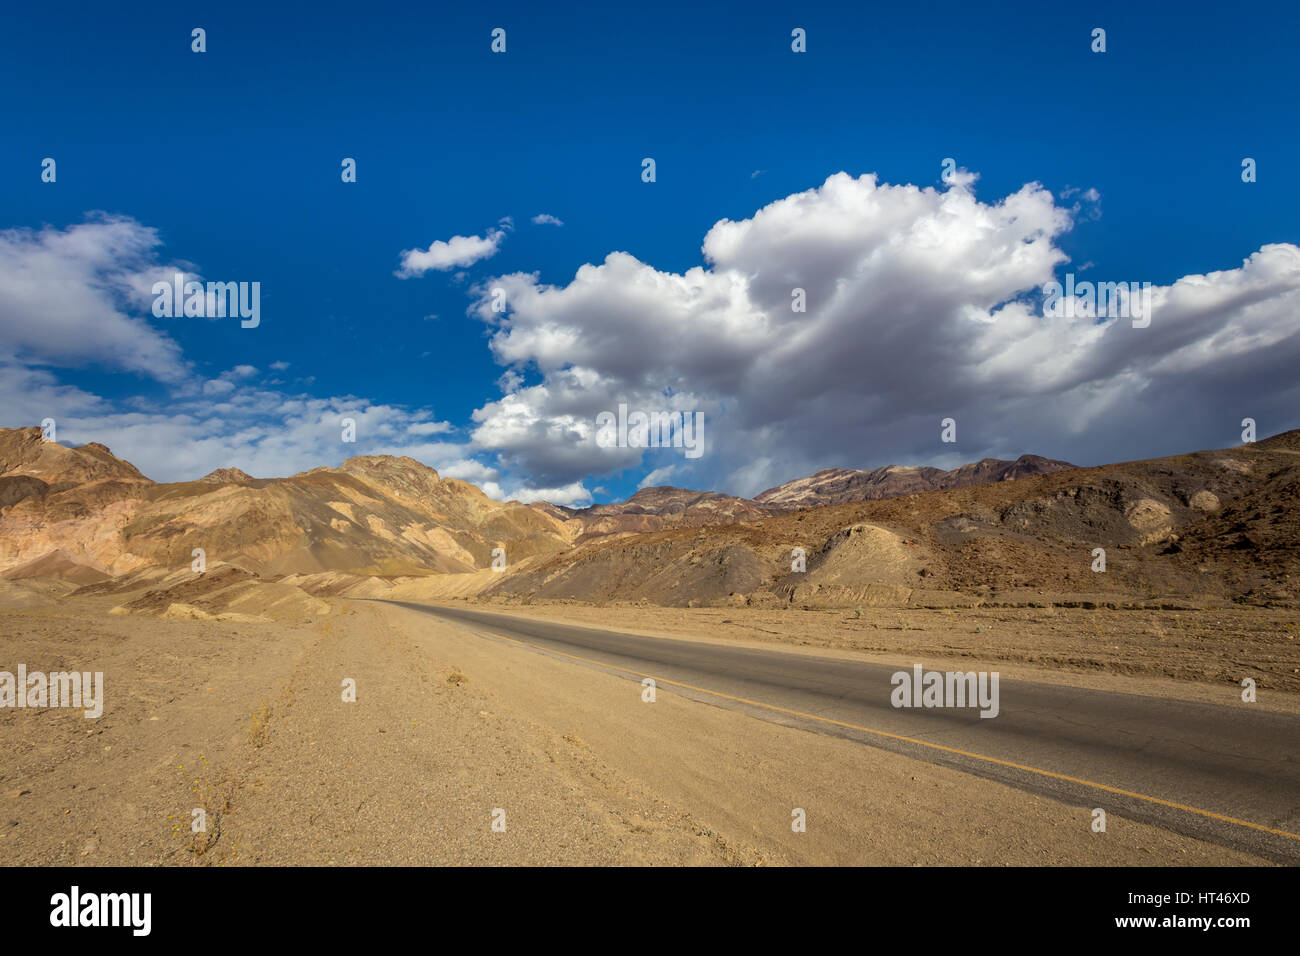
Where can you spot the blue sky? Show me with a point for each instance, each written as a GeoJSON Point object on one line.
{"type": "Point", "coordinates": [230, 161]}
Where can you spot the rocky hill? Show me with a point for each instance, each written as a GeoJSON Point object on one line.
{"type": "Point", "coordinates": [837, 486]}
{"type": "Point", "coordinates": [662, 506]}
{"type": "Point", "coordinates": [1212, 526]}
{"type": "Point", "coordinates": [82, 511]}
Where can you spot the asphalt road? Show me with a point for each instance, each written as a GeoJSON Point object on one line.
{"type": "Point", "coordinates": [1233, 760]}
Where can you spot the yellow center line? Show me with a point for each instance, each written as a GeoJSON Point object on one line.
{"type": "Point", "coordinates": [912, 740]}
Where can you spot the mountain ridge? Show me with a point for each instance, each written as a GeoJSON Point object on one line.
{"type": "Point", "coordinates": [1212, 525]}
{"type": "Point", "coordinates": [372, 514]}
{"type": "Point", "coordinates": [832, 486]}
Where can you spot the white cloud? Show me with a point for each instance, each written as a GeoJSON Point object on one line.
{"type": "Point", "coordinates": [546, 219]}
{"type": "Point", "coordinates": [922, 304]}
{"type": "Point", "coordinates": [80, 295]}
{"type": "Point", "coordinates": [467, 469]}
{"type": "Point", "coordinates": [225, 421]}
{"type": "Point", "coordinates": [572, 495]}
{"type": "Point", "coordinates": [66, 298]}
{"type": "Point", "coordinates": [549, 429]}
{"type": "Point", "coordinates": [218, 386]}
{"type": "Point", "coordinates": [659, 476]}
{"type": "Point", "coordinates": [456, 252]}
{"type": "Point", "coordinates": [429, 428]}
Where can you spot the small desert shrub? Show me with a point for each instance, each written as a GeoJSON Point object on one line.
{"type": "Point", "coordinates": [259, 726]}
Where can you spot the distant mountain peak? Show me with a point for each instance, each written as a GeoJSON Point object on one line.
{"type": "Point", "coordinates": [24, 451]}
{"type": "Point", "coordinates": [380, 462]}
{"type": "Point", "coordinates": [225, 475]}
{"type": "Point", "coordinates": [833, 486]}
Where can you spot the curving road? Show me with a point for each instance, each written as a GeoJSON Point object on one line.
{"type": "Point", "coordinates": [1227, 773]}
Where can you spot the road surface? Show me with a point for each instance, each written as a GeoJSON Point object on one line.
{"type": "Point", "coordinates": [1227, 773]}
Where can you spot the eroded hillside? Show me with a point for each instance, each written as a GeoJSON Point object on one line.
{"type": "Point", "coordinates": [1215, 525]}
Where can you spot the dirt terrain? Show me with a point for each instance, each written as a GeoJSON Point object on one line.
{"type": "Point", "coordinates": [245, 719]}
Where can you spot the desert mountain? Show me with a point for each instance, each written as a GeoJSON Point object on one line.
{"type": "Point", "coordinates": [837, 486]}
{"type": "Point", "coordinates": [1212, 526]}
{"type": "Point", "coordinates": [662, 506]}
{"type": "Point", "coordinates": [79, 513]}
{"type": "Point", "coordinates": [83, 508]}
{"type": "Point", "coordinates": [24, 452]}
{"type": "Point", "coordinates": [224, 475]}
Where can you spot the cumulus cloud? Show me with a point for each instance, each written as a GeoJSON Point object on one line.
{"type": "Point", "coordinates": [458, 252]}
{"type": "Point", "coordinates": [572, 495]}
{"type": "Point", "coordinates": [922, 304]}
{"type": "Point", "coordinates": [230, 420]}
{"type": "Point", "coordinates": [488, 479]}
{"type": "Point", "coordinates": [468, 469]}
{"type": "Point", "coordinates": [79, 295]}
{"type": "Point", "coordinates": [74, 297]}
{"type": "Point", "coordinates": [429, 428]}
{"type": "Point", "coordinates": [546, 219]}
{"type": "Point", "coordinates": [658, 477]}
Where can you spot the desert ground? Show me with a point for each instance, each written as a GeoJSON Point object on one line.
{"type": "Point", "coordinates": [244, 717]}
